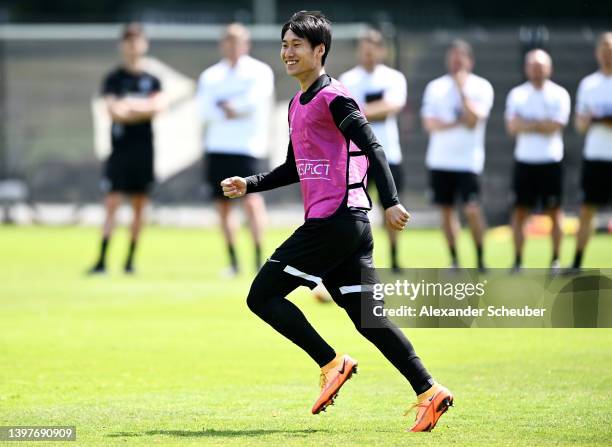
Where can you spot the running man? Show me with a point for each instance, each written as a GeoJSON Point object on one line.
{"type": "Point", "coordinates": [234, 98]}
{"type": "Point", "coordinates": [331, 146]}
{"type": "Point", "coordinates": [133, 98]}
{"type": "Point", "coordinates": [455, 111]}
{"type": "Point", "coordinates": [536, 113]}
{"type": "Point", "coordinates": [594, 117]}
{"type": "Point", "coordinates": [381, 93]}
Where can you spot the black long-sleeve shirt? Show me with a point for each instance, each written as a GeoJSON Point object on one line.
{"type": "Point", "coordinates": [354, 127]}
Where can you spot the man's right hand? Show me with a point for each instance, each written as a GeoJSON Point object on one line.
{"type": "Point", "coordinates": [460, 79]}
{"type": "Point", "coordinates": [234, 187]}
{"type": "Point", "coordinates": [229, 111]}
{"type": "Point", "coordinates": [396, 217]}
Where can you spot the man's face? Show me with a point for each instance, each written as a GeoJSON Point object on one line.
{"type": "Point", "coordinates": [234, 45]}
{"type": "Point", "coordinates": [369, 53]}
{"type": "Point", "coordinates": [459, 59]}
{"type": "Point", "coordinates": [538, 67]}
{"type": "Point", "coordinates": [298, 55]}
{"type": "Point", "coordinates": [134, 47]}
{"type": "Point", "coordinates": [604, 52]}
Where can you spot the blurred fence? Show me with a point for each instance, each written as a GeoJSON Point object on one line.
{"type": "Point", "coordinates": [49, 74]}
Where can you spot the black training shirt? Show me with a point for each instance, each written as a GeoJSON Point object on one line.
{"type": "Point", "coordinates": [122, 83]}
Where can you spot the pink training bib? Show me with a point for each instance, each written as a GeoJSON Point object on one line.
{"type": "Point", "coordinates": [332, 170]}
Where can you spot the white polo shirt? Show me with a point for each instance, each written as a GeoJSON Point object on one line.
{"type": "Point", "coordinates": [248, 88]}
{"type": "Point", "coordinates": [551, 102]}
{"type": "Point", "coordinates": [594, 98]}
{"type": "Point", "coordinates": [382, 83]}
{"type": "Point", "coordinates": [458, 148]}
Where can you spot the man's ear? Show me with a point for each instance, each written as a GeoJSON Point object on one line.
{"type": "Point", "coordinates": [320, 50]}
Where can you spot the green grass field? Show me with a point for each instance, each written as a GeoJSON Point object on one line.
{"type": "Point", "coordinates": [172, 356]}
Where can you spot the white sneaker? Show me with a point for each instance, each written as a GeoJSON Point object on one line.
{"type": "Point", "coordinates": [555, 267]}
{"type": "Point", "coordinates": [229, 273]}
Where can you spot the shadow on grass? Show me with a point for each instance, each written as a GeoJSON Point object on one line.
{"type": "Point", "coordinates": [212, 433]}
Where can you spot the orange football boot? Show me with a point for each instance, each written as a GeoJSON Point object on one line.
{"type": "Point", "coordinates": [333, 376]}
{"type": "Point", "coordinates": [431, 405]}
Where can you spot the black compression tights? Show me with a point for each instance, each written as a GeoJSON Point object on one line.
{"type": "Point", "coordinates": [389, 340]}
{"type": "Point", "coordinates": [267, 300]}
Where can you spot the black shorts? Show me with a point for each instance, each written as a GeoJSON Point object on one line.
{"type": "Point", "coordinates": [332, 251]}
{"type": "Point", "coordinates": [448, 186]}
{"type": "Point", "coordinates": [397, 172]}
{"type": "Point", "coordinates": [218, 167]}
{"type": "Point", "coordinates": [597, 182]}
{"type": "Point", "coordinates": [129, 172]}
{"type": "Point", "coordinates": [538, 185]}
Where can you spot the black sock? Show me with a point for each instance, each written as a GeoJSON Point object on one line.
{"type": "Point", "coordinates": [393, 251]}
{"type": "Point", "coordinates": [257, 256]}
{"type": "Point", "coordinates": [577, 259]}
{"type": "Point", "coordinates": [232, 255]}
{"type": "Point", "coordinates": [479, 256]}
{"type": "Point", "coordinates": [518, 260]}
{"type": "Point", "coordinates": [453, 254]}
{"type": "Point", "coordinates": [103, 246]}
{"type": "Point", "coordinates": [130, 257]}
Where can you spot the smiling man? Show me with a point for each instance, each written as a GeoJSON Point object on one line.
{"type": "Point", "coordinates": [330, 149]}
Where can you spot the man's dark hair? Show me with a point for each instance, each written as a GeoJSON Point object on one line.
{"type": "Point", "coordinates": [373, 36]}
{"type": "Point", "coordinates": [463, 45]}
{"type": "Point", "coordinates": [312, 26]}
{"type": "Point", "coordinates": [133, 29]}
{"type": "Point", "coordinates": [603, 37]}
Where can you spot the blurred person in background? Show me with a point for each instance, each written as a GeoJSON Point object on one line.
{"type": "Point", "coordinates": [381, 93]}
{"type": "Point", "coordinates": [455, 111]}
{"type": "Point", "coordinates": [133, 98]}
{"type": "Point", "coordinates": [234, 100]}
{"type": "Point", "coordinates": [594, 118]}
{"type": "Point", "coordinates": [536, 113]}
